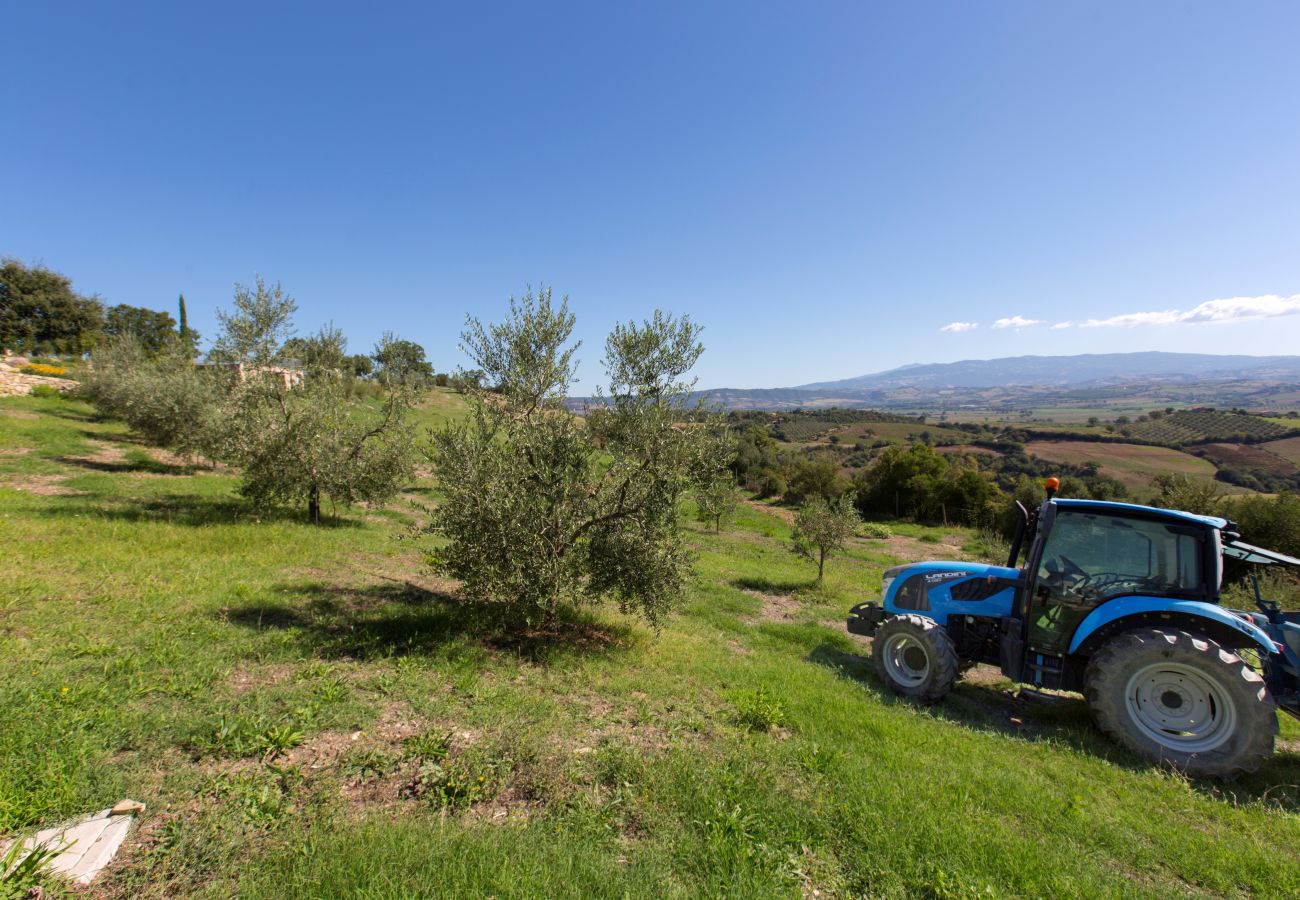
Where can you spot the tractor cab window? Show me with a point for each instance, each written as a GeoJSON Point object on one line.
{"type": "Point", "coordinates": [1090, 557]}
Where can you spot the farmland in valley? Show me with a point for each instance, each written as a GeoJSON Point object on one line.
{"type": "Point", "coordinates": [1134, 465]}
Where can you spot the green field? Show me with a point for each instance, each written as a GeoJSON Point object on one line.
{"type": "Point", "coordinates": [1134, 465]}
{"type": "Point", "coordinates": [307, 713]}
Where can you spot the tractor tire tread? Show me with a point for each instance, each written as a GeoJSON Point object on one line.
{"type": "Point", "coordinates": [1244, 752]}
{"type": "Point", "coordinates": [942, 651]}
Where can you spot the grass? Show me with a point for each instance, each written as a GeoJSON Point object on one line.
{"type": "Point", "coordinates": [307, 713]}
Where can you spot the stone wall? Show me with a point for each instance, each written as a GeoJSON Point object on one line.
{"type": "Point", "coordinates": [15, 384]}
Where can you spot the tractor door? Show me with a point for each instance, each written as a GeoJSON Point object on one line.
{"type": "Point", "coordinates": [1091, 556]}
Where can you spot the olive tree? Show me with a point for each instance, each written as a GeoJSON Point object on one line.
{"type": "Point", "coordinates": [822, 528]}
{"type": "Point", "coordinates": [543, 508]}
{"type": "Point", "coordinates": [716, 494]}
{"type": "Point", "coordinates": [256, 330]}
{"type": "Point", "coordinates": [302, 444]}
{"type": "Point", "coordinates": [309, 439]}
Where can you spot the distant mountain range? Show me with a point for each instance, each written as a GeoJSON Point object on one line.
{"type": "Point", "coordinates": [1101, 379]}
{"type": "Point", "coordinates": [1086, 368]}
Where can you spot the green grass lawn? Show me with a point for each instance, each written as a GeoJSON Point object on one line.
{"type": "Point", "coordinates": [307, 713]}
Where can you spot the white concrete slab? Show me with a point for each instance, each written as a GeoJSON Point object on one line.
{"type": "Point", "coordinates": [101, 852]}
{"type": "Point", "coordinates": [84, 845]}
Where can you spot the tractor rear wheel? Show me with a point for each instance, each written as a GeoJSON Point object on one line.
{"type": "Point", "coordinates": [1182, 699]}
{"type": "Point", "coordinates": [915, 657]}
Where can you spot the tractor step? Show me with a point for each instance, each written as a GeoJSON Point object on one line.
{"type": "Point", "coordinates": [1029, 693]}
{"type": "Point", "coordinates": [865, 618]}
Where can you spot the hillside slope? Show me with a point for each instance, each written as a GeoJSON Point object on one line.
{"type": "Point", "coordinates": [307, 712]}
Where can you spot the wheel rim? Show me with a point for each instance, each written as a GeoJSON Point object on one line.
{"type": "Point", "coordinates": [906, 660]}
{"type": "Point", "coordinates": [1180, 707]}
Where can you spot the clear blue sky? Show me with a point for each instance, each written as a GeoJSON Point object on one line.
{"type": "Point", "coordinates": [823, 185]}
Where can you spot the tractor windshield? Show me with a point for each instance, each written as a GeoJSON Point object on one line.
{"type": "Point", "coordinates": [1091, 556]}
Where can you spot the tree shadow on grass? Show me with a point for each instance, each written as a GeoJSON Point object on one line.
{"type": "Point", "coordinates": [181, 509]}
{"type": "Point", "coordinates": [134, 440]}
{"type": "Point", "coordinates": [773, 586]}
{"type": "Point", "coordinates": [981, 704]}
{"type": "Point", "coordinates": [141, 465]}
{"type": "Point", "coordinates": [405, 619]}
{"type": "Point", "coordinates": [59, 412]}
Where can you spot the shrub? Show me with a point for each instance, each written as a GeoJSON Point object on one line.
{"type": "Point", "coordinates": [45, 391]}
{"type": "Point", "coordinates": [875, 530]}
{"type": "Point", "coordinates": [43, 369]}
{"type": "Point", "coordinates": [166, 399]}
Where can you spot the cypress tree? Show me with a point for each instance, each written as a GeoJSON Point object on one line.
{"type": "Point", "coordinates": [184, 322]}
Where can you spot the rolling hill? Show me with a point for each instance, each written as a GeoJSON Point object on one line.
{"type": "Point", "coordinates": [1072, 387]}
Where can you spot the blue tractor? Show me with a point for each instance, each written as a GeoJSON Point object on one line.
{"type": "Point", "coordinates": [1119, 602]}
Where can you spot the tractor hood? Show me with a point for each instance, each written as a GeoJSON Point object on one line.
{"type": "Point", "coordinates": [945, 587]}
{"type": "Point", "coordinates": [939, 571]}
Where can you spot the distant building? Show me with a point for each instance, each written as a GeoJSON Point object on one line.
{"type": "Point", "coordinates": [289, 372]}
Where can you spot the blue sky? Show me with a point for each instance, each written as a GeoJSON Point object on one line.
{"type": "Point", "coordinates": [825, 186]}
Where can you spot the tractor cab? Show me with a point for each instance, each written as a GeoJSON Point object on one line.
{"type": "Point", "coordinates": [1094, 567]}
{"type": "Point", "coordinates": [1093, 590]}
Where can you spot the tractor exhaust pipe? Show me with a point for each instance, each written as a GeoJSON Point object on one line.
{"type": "Point", "coordinates": [1020, 535]}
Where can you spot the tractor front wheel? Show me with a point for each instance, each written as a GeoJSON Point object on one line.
{"type": "Point", "coordinates": [1182, 699]}
{"type": "Point", "coordinates": [915, 657]}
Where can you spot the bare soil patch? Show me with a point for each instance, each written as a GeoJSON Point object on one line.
{"type": "Point", "coordinates": [244, 679]}
{"type": "Point", "coordinates": [1288, 449]}
{"type": "Point", "coordinates": [912, 549]}
{"type": "Point", "coordinates": [104, 453]}
{"type": "Point", "coordinates": [1249, 456]}
{"type": "Point", "coordinates": [42, 485]}
{"type": "Point", "coordinates": [776, 607]}
{"type": "Point", "coordinates": [168, 458]}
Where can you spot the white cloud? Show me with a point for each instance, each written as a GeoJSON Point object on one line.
{"type": "Point", "coordinates": [954, 327]}
{"type": "Point", "coordinates": [1232, 309]}
{"type": "Point", "coordinates": [1059, 325]}
{"type": "Point", "coordinates": [1016, 322]}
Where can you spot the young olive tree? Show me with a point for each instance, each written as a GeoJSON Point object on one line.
{"type": "Point", "coordinates": [544, 508]}
{"type": "Point", "coordinates": [717, 500]}
{"type": "Point", "coordinates": [255, 331]}
{"type": "Point", "coordinates": [305, 440]}
{"type": "Point", "coordinates": [822, 528]}
{"type": "Point", "coordinates": [716, 494]}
